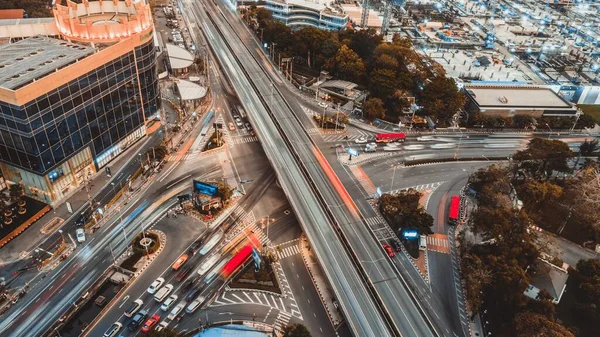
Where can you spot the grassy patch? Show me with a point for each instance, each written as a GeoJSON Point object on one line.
{"type": "Point", "coordinates": [590, 109]}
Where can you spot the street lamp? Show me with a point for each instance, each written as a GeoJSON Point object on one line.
{"type": "Point", "coordinates": [488, 159]}
{"type": "Point", "coordinates": [550, 134]}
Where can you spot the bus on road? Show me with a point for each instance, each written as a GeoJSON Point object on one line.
{"type": "Point", "coordinates": [454, 214]}
{"type": "Point", "coordinates": [390, 137]}
{"type": "Point", "coordinates": [237, 261]}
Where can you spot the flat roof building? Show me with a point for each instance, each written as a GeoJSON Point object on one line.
{"type": "Point", "coordinates": [74, 92]}
{"type": "Point", "coordinates": [509, 100]}
{"type": "Point", "coordinates": [315, 13]}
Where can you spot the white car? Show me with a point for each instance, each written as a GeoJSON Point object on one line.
{"type": "Point", "coordinates": [168, 303]}
{"type": "Point", "coordinates": [163, 325]}
{"type": "Point", "coordinates": [443, 146]}
{"type": "Point", "coordinates": [176, 311]}
{"type": "Point", "coordinates": [361, 140]}
{"type": "Point", "coordinates": [156, 285]}
{"type": "Point", "coordinates": [80, 233]}
{"type": "Point", "coordinates": [424, 138]}
{"type": "Point", "coordinates": [414, 147]}
{"type": "Point", "coordinates": [323, 104]}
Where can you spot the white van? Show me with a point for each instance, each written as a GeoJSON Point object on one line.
{"type": "Point", "coordinates": [176, 311]}
{"type": "Point", "coordinates": [423, 242]}
{"type": "Point", "coordinates": [163, 293]}
{"type": "Point", "coordinates": [194, 305]}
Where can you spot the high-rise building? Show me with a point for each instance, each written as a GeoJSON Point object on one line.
{"type": "Point", "coordinates": [75, 94]}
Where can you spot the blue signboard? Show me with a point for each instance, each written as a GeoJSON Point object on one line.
{"type": "Point", "coordinates": [410, 234]}
{"type": "Point", "coordinates": [257, 259]}
{"type": "Point", "coordinates": [202, 188]}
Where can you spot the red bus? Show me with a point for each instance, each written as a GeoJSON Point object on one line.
{"type": "Point", "coordinates": [454, 215]}
{"type": "Point", "coordinates": [389, 137]}
{"type": "Point", "coordinates": [237, 260]}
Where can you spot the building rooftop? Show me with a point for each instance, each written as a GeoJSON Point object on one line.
{"type": "Point", "coordinates": [189, 90]}
{"type": "Point", "coordinates": [544, 275]}
{"type": "Point", "coordinates": [30, 59]}
{"type": "Point", "coordinates": [515, 96]}
{"type": "Point", "coordinates": [179, 58]}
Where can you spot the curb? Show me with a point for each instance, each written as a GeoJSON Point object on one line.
{"type": "Point", "coordinates": [228, 288]}
{"type": "Point", "coordinates": [163, 243]}
{"type": "Point", "coordinates": [303, 239]}
{"type": "Point", "coordinates": [344, 159]}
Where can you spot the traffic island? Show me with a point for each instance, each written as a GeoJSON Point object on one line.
{"type": "Point", "coordinates": [264, 279]}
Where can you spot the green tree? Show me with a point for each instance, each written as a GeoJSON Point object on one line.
{"type": "Point", "coordinates": [348, 65]}
{"type": "Point", "coordinates": [296, 330]}
{"type": "Point", "coordinates": [403, 211]}
{"type": "Point", "coordinates": [279, 33]}
{"type": "Point", "coordinates": [585, 121]}
{"type": "Point", "coordinates": [587, 148]}
{"type": "Point", "coordinates": [373, 108]}
{"type": "Point", "coordinates": [383, 82]}
{"type": "Point", "coordinates": [224, 190]}
{"type": "Point", "coordinates": [543, 157]}
{"type": "Point", "coordinates": [263, 16]}
{"type": "Point", "coordinates": [536, 193]}
{"type": "Point", "coordinates": [441, 98]}
{"type": "Point", "coordinates": [529, 324]}
{"type": "Point", "coordinates": [364, 42]}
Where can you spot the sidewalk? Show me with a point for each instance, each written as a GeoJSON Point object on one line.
{"type": "Point", "coordinates": [19, 248]}
{"type": "Point", "coordinates": [320, 281]}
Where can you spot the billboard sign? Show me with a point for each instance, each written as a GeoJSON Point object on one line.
{"type": "Point", "coordinates": [410, 234]}
{"type": "Point", "coordinates": [202, 188]}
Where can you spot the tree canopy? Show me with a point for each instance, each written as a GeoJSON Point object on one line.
{"type": "Point", "coordinates": [530, 324]}
{"type": "Point", "coordinates": [373, 108]}
{"type": "Point", "coordinates": [296, 330]}
{"type": "Point", "coordinates": [402, 211]}
{"type": "Point", "coordinates": [543, 157]}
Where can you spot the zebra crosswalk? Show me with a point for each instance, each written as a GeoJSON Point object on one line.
{"type": "Point", "coordinates": [350, 137]}
{"type": "Point", "coordinates": [282, 253]}
{"type": "Point", "coordinates": [375, 221]}
{"type": "Point", "coordinates": [244, 139]}
{"type": "Point", "coordinates": [430, 186]}
{"type": "Point", "coordinates": [282, 320]}
{"type": "Point", "coordinates": [438, 243]}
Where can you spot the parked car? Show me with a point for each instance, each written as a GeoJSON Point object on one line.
{"type": "Point", "coordinates": [156, 285]}
{"type": "Point", "coordinates": [150, 323]}
{"type": "Point", "coordinates": [389, 250]}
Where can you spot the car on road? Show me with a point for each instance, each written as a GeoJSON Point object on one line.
{"type": "Point", "coordinates": [414, 147]}
{"type": "Point", "coordinates": [176, 311]}
{"type": "Point", "coordinates": [194, 305]}
{"type": "Point", "coordinates": [195, 247]}
{"type": "Point", "coordinates": [239, 123]}
{"type": "Point", "coordinates": [180, 262]}
{"type": "Point", "coordinates": [425, 138]}
{"type": "Point", "coordinates": [156, 285]}
{"type": "Point", "coordinates": [137, 320]}
{"type": "Point", "coordinates": [248, 126]}
{"type": "Point", "coordinates": [361, 140]}
{"type": "Point", "coordinates": [150, 323]}
{"type": "Point", "coordinates": [323, 104]}
{"type": "Point", "coordinates": [163, 325]}
{"type": "Point", "coordinates": [184, 273]}
{"type": "Point", "coordinates": [231, 126]}
{"type": "Point", "coordinates": [443, 146]}
{"type": "Point", "coordinates": [168, 303]}
{"type": "Point", "coordinates": [135, 306]}
{"type": "Point", "coordinates": [389, 250]}
{"type": "Point", "coordinates": [163, 293]}
{"type": "Point", "coordinates": [113, 330]}
{"type": "Point", "coordinates": [80, 233]}
{"type": "Point", "coordinates": [396, 246]}
{"type": "Point", "coordinates": [192, 294]}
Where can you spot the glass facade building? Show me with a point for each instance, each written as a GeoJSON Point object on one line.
{"type": "Point", "coordinates": [97, 110]}
{"type": "Point", "coordinates": [71, 103]}
{"type": "Point", "coordinates": [297, 13]}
